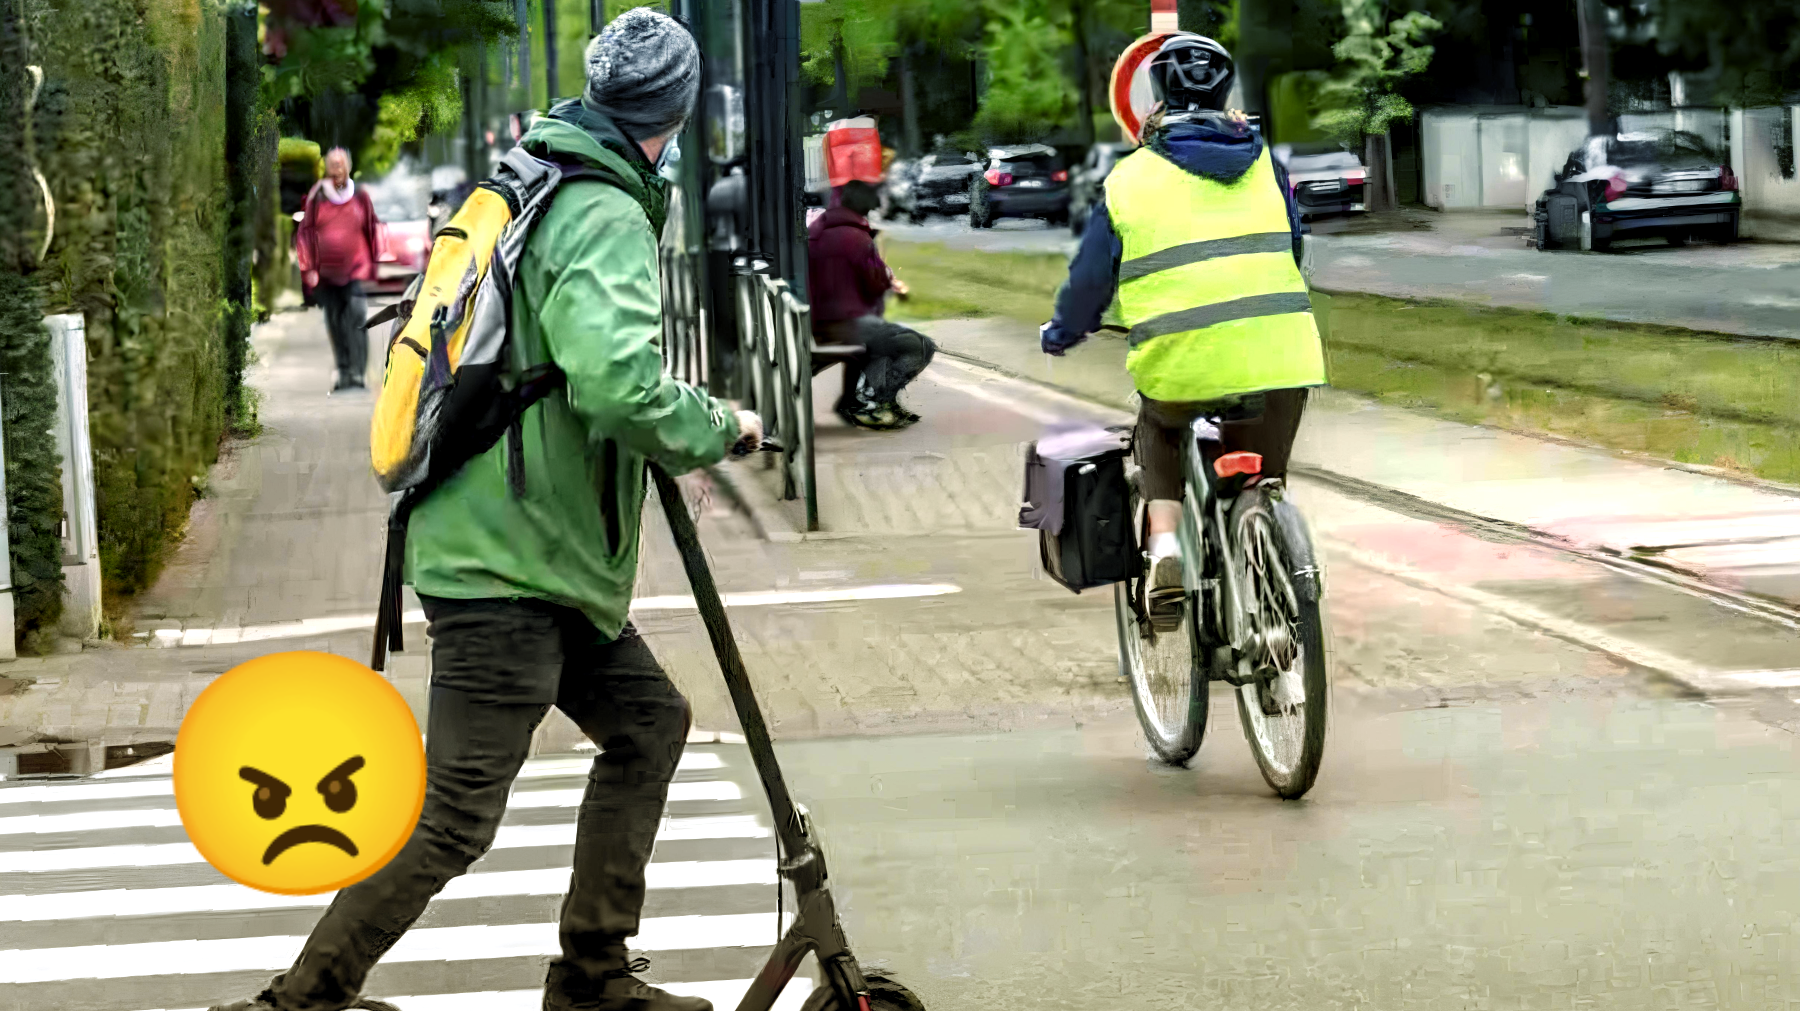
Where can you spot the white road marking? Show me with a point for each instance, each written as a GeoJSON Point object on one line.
{"type": "Point", "coordinates": [723, 993]}
{"type": "Point", "coordinates": [425, 944]}
{"type": "Point", "coordinates": [729, 826]}
{"type": "Point", "coordinates": [173, 638]}
{"type": "Point", "coordinates": [163, 786]}
{"type": "Point", "coordinates": [168, 817]}
{"type": "Point", "coordinates": [238, 898]}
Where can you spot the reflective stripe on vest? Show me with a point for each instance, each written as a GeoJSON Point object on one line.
{"type": "Point", "coordinates": [1208, 284]}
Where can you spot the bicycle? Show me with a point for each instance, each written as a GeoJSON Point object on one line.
{"type": "Point", "coordinates": [1250, 617]}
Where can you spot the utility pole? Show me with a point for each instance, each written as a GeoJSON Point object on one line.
{"type": "Point", "coordinates": [551, 83]}
{"type": "Point", "coordinates": [522, 9]}
{"type": "Point", "coordinates": [1084, 74]}
{"type": "Point", "coordinates": [909, 103]}
{"type": "Point", "coordinates": [1597, 64]}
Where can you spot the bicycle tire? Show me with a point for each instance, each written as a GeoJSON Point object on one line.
{"type": "Point", "coordinates": [1173, 732]}
{"type": "Point", "coordinates": [1301, 746]}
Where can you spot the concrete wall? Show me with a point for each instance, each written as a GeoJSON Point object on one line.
{"type": "Point", "coordinates": [1754, 135]}
{"type": "Point", "coordinates": [1495, 157]}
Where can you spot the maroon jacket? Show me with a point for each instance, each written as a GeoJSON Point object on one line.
{"type": "Point", "coordinates": [846, 277]}
{"type": "Point", "coordinates": [340, 241]}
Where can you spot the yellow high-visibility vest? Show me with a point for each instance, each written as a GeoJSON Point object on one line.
{"type": "Point", "coordinates": [1207, 282]}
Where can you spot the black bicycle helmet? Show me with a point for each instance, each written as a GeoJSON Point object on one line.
{"type": "Point", "coordinates": [1192, 73]}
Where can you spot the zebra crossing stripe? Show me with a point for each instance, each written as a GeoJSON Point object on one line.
{"type": "Point", "coordinates": [168, 817]}
{"type": "Point", "coordinates": [424, 944]}
{"type": "Point", "coordinates": [83, 858]}
{"type": "Point", "coordinates": [222, 898]}
{"type": "Point", "coordinates": [161, 785]}
{"type": "Point", "coordinates": [724, 993]}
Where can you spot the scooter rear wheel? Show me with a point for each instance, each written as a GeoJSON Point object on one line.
{"type": "Point", "coordinates": [884, 995]}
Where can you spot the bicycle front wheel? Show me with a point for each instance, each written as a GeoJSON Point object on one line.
{"type": "Point", "coordinates": [1165, 669]}
{"type": "Point", "coordinates": [1284, 709]}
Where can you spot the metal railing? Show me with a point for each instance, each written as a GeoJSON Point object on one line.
{"type": "Point", "coordinates": [776, 357]}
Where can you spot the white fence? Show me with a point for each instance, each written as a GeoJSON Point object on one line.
{"type": "Point", "coordinates": [1504, 157]}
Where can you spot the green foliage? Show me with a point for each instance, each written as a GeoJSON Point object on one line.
{"type": "Point", "coordinates": [1753, 46]}
{"type": "Point", "coordinates": [1029, 92]}
{"type": "Point", "coordinates": [432, 103]}
{"type": "Point", "coordinates": [334, 82]}
{"type": "Point", "coordinates": [1360, 99]}
{"type": "Point", "coordinates": [131, 133]}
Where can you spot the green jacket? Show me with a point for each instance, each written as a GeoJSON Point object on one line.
{"type": "Point", "coordinates": [589, 298]}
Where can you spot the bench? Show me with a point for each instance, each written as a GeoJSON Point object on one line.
{"type": "Point", "coordinates": [824, 356]}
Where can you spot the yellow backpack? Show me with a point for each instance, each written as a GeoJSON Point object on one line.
{"type": "Point", "coordinates": [451, 391]}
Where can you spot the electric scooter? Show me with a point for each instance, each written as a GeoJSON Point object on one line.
{"type": "Point", "coordinates": [816, 929]}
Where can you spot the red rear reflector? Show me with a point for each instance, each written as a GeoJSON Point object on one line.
{"type": "Point", "coordinates": [1238, 463]}
{"type": "Point", "coordinates": [1059, 176]}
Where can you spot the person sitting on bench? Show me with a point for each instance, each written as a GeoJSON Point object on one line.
{"type": "Point", "coordinates": [848, 283]}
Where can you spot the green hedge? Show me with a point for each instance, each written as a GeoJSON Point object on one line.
{"type": "Point", "coordinates": [131, 132]}
{"type": "Point", "coordinates": [33, 478]}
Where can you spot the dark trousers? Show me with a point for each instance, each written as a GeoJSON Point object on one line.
{"type": "Point", "coordinates": [497, 666]}
{"type": "Point", "coordinates": [894, 357]}
{"type": "Point", "coordinates": [345, 312]}
{"type": "Point", "coordinates": [1267, 428]}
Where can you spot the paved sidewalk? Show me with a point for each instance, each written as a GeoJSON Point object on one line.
{"type": "Point", "coordinates": [1735, 535]}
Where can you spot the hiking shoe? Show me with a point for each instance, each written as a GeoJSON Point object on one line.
{"type": "Point", "coordinates": [878, 419]}
{"type": "Point", "coordinates": [619, 990]}
{"type": "Point", "coordinates": [1166, 593]}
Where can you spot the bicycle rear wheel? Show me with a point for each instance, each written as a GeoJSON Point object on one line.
{"type": "Point", "coordinates": [1286, 729]}
{"type": "Point", "coordinates": [1166, 670]}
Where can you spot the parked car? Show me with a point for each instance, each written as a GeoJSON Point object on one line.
{"type": "Point", "coordinates": [1028, 181]}
{"type": "Point", "coordinates": [1666, 183]}
{"type": "Point", "coordinates": [1085, 182]}
{"type": "Point", "coordinates": [402, 201]}
{"type": "Point", "coordinates": [896, 185]}
{"type": "Point", "coordinates": [1324, 182]}
{"type": "Point", "coordinates": [936, 184]}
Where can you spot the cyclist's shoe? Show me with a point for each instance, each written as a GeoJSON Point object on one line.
{"type": "Point", "coordinates": [1166, 593]}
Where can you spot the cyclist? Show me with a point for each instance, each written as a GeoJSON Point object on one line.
{"type": "Point", "coordinates": [1198, 237]}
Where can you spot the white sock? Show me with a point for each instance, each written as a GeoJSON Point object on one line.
{"type": "Point", "coordinates": [1164, 545]}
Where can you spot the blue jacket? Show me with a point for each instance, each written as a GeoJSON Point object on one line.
{"type": "Point", "coordinates": [1213, 149]}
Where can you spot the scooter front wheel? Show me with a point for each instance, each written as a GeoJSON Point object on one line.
{"type": "Point", "coordinates": [884, 995]}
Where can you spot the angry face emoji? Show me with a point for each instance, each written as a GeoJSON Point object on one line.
{"type": "Point", "coordinates": [299, 773]}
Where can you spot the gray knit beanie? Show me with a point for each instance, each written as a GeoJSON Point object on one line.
{"type": "Point", "coordinates": [643, 72]}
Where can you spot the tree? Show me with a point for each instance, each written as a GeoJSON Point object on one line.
{"type": "Point", "coordinates": [1028, 93]}
{"type": "Point", "coordinates": [1751, 47]}
{"type": "Point", "coordinates": [1360, 100]}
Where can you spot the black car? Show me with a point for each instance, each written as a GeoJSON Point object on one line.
{"type": "Point", "coordinates": [1666, 183]}
{"type": "Point", "coordinates": [1324, 182]}
{"type": "Point", "coordinates": [1086, 182]}
{"type": "Point", "coordinates": [1028, 181]}
{"type": "Point", "coordinates": [936, 184]}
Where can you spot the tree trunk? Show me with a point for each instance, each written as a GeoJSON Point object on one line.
{"type": "Point", "coordinates": [840, 88]}
{"type": "Point", "coordinates": [1084, 75]}
{"type": "Point", "coordinates": [1378, 158]}
{"type": "Point", "coordinates": [551, 83]}
{"type": "Point", "coordinates": [909, 104]}
{"type": "Point", "coordinates": [596, 16]}
{"type": "Point", "coordinates": [474, 89]}
{"type": "Point", "coordinates": [1598, 64]}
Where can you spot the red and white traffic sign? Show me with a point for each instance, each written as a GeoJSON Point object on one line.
{"type": "Point", "coordinates": [1129, 90]}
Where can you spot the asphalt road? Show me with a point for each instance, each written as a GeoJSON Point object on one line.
{"type": "Point", "coordinates": [1752, 288]}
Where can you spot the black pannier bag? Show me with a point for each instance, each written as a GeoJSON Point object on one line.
{"type": "Point", "coordinates": [1078, 500]}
